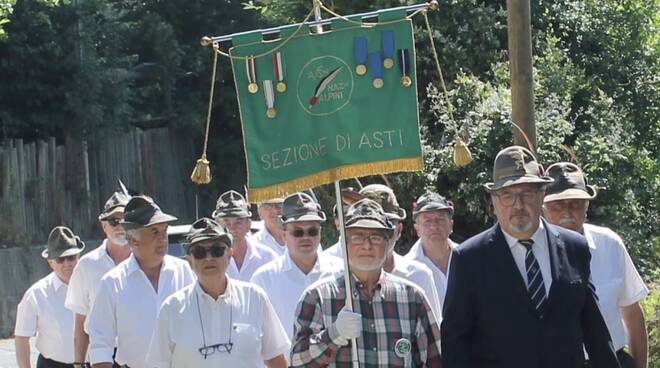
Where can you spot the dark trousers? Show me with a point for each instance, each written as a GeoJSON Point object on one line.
{"type": "Point", "coordinates": [43, 362]}
{"type": "Point", "coordinates": [625, 360]}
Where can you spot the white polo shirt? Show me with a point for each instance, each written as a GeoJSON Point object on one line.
{"type": "Point", "coordinates": [617, 282]}
{"type": "Point", "coordinates": [41, 312]}
{"type": "Point", "coordinates": [264, 237]}
{"type": "Point", "coordinates": [242, 312]}
{"type": "Point", "coordinates": [284, 283]}
{"type": "Point", "coordinates": [126, 308]}
{"type": "Point", "coordinates": [86, 278]}
{"type": "Point", "coordinates": [439, 278]}
{"type": "Point", "coordinates": [420, 275]}
{"type": "Point", "coordinates": [256, 256]}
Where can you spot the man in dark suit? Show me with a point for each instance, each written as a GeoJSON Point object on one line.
{"type": "Point", "coordinates": [519, 293]}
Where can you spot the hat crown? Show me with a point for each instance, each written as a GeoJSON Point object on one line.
{"type": "Point", "coordinates": [431, 201]}
{"type": "Point", "coordinates": [367, 209]}
{"type": "Point", "coordinates": [140, 208]}
{"type": "Point", "coordinates": [232, 204]}
{"type": "Point", "coordinates": [382, 194]}
{"type": "Point", "coordinates": [299, 204]}
{"type": "Point", "coordinates": [205, 229]}
{"type": "Point", "coordinates": [516, 165]}
{"type": "Point", "coordinates": [515, 161]}
{"type": "Point", "coordinates": [117, 199]}
{"type": "Point", "coordinates": [566, 176]}
{"type": "Point", "coordinates": [60, 240]}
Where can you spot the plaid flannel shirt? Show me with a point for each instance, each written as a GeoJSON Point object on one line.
{"type": "Point", "coordinates": [396, 310]}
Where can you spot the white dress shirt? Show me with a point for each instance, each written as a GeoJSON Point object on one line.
{"type": "Point", "coordinates": [86, 278]}
{"type": "Point", "coordinates": [416, 253]}
{"type": "Point", "coordinates": [126, 309]}
{"type": "Point", "coordinates": [617, 282]}
{"type": "Point", "coordinates": [540, 250]}
{"type": "Point", "coordinates": [41, 312]}
{"type": "Point", "coordinates": [264, 237]}
{"type": "Point", "coordinates": [284, 283]}
{"type": "Point", "coordinates": [242, 311]}
{"type": "Point", "coordinates": [256, 256]}
{"type": "Point", "coordinates": [419, 274]}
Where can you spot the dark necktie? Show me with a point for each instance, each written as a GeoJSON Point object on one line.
{"type": "Point", "coordinates": [535, 286]}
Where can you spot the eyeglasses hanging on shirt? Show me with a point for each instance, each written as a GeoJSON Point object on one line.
{"type": "Point", "coordinates": [225, 347]}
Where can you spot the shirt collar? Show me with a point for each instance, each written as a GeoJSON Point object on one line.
{"type": "Point", "coordinates": [538, 236]}
{"type": "Point", "coordinates": [590, 238]}
{"type": "Point", "coordinates": [289, 264]}
{"type": "Point", "coordinates": [378, 288]}
{"type": "Point", "coordinates": [133, 265]}
{"type": "Point", "coordinates": [57, 282]}
{"type": "Point", "coordinates": [224, 297]}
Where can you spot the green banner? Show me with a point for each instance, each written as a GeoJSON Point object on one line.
{"type": "Point", "coordinates": [316, 108]}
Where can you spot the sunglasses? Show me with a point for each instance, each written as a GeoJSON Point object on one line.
{"type": "Point", "coordinates": [299, 233]}
{"type": "Point", "coordinates": [113, 221]}
{"type": "Point", "coordinates": [61, 260]}
{"type": "Point", "coordinates": [217, 250]}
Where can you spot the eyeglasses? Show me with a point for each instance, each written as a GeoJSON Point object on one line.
{"type": "Point", "coordinates": [216, 250]}
{"type": "Point", "coordinates": [220, 348]}
{"type": "Point", "coordinates": [358, 239]}
{"type": "Point", "coordinates": [224, 347]}
{"type": "Point", "coordinates": [508, 199]}
{"type": "Point", "coordinates": [113, 221]}
{"type": "Point", "coordinates": [299, 233]}
{"type": "Point", "coordinates": [61, 260]}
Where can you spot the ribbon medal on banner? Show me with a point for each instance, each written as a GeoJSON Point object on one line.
{"type": "Point", "coordinates": [360, 55]}
{"type": "Point", "coordinates": [278, 70]}
{"type": "Point", "coordinates": [387, 44]}
{"type": "Point", "coordinates": [404, 67]}
{"type": "Point", "coordinates": [376, 67]}
{"type": "Point", "coordinates": [251, 74]}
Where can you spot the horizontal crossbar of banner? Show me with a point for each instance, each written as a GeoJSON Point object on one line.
{"type": "Point", "coordinates": [322, 22]}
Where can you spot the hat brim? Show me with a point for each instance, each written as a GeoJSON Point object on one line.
{"type": "Point", "coordinates": [241, 214]}
{"type": "Point", "coordinates": [433, 207]}
{"type": "Point", "coordinates": [400, 215]}
{"type": "Point", "coordinates": [572, 193]}
{"type": "Point", "coordinates": [160, 218]}
{"type": "Point", "coordinates": [105, 215]}
{"type": "Point", "coordinates": [305, 217]}
{"type": "Point", "coordinates": [369, 224]}
{"type": "Point", "coordinates": [65, 253]}
{"type": "Point", "coordinates": [223, 238]}
{"type": "Point", "coordinates": [515, 180]}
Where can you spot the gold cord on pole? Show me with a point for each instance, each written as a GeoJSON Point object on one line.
{"type": "Point", "coordinates": [462, 156]}
{"type": "Point", "coordinates": [202, 172]}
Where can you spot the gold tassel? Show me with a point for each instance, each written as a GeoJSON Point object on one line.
{"type": "Point", "coordinates": [201, 173]}
{"type": "Point", "coordinates": [462, 155]}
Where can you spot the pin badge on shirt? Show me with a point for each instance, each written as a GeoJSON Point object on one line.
{"type": "Point", "coordinates": [402, 347]}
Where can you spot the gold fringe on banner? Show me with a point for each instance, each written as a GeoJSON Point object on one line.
{"type": "Point", "coordinates": [334, 174]}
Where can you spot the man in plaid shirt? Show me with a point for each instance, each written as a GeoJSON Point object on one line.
{"type": "Point", "coordinates": [393, 322]}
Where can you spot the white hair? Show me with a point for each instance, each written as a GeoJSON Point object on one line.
{"type": "Point", "coordinates": [133, 233]}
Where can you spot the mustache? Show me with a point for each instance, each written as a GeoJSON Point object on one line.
{"type": "Point", "coordinates": [567, 221]}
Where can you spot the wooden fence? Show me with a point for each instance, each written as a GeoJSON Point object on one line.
{"type": "Point", "coordinates": [43, 184]}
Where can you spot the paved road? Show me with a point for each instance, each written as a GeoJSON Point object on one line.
{"type": "Point", "coordinates": [8, 355]}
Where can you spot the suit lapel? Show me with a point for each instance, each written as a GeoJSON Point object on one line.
{"type": "Point", "coordinates": [558, 263]}
{"type": "Point", "coordinates": [507, 267]}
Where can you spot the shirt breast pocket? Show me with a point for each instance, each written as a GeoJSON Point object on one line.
{"type": "Point", "coordinates": [246, 339]}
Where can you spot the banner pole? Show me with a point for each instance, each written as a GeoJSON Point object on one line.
{"type": "Point", "coordinates": [347, 271]}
